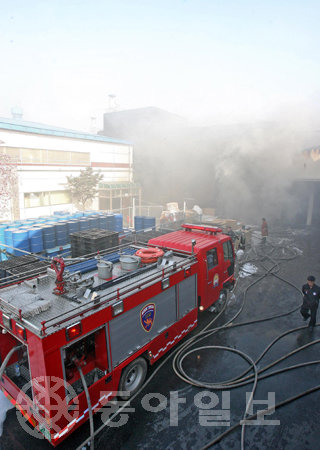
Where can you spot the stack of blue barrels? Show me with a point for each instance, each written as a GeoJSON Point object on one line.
{"type": "Point", "coordinates": [144, 222]}
{"type": "Point", "coordinates": [53, 232]}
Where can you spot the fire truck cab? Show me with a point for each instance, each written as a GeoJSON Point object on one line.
{"type": "Point", "coordinates": [215, 255]}
{"type": "Point", "coordinates": [65, 353]}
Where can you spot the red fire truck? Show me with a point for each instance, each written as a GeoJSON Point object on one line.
{"type": "Point", "coordinates": [74, 336]}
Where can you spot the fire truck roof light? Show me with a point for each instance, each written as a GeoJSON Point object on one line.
{"type": "Point", "coordinates": [187, 272]}
{"type": "Point", "coordinates": [117, 308]}
{"type": "Point", "coordinates": [190, 226]}
{"type": "Point", "coordinates": [73, 331]}
{"type": "Point", "coordinates": [21, 331]}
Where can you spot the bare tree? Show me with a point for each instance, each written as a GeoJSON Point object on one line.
{"type": "Point", "coordinates": [8, 184]}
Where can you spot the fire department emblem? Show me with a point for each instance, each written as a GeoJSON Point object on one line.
{"type": "Point", "coordinates": [216, 280]}
{"type": "Point", "coordinates": [147, 315]}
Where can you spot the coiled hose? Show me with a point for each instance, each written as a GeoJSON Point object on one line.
{"type": "Point", "coordinates": [180, 353]}
{"type": "Point", "coordinates": [242, 380]}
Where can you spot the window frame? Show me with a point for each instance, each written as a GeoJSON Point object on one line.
{"type": "Point", "coordinates": [213, 251]}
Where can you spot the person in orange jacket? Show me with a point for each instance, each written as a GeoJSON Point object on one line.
{"type": "Point", "coordinates": [264, 230]}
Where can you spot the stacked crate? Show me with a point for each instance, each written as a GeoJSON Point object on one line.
{"type": "Point", "coordinates": [92, 241]}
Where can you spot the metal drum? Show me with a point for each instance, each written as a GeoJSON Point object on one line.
{"type": "Point", "coordinates": [8, 236]}
{"type": "Point", "coordinates": [2, 240]}
{"type": "Point", "coordinates": [84, 224]}
{"type": "Point", "coordinates": [118, 223]}
{"type": "Point", "coordinates": [20, 240]}
{"type": "Point", "coordinates": [138, 223]}
{"type": "Point", "coordinates": [77, 215]}
{"type": "Point", "coordinates": [36, 239]}
{"type": "Point", "coordinates": [110, 222]}
{"type": "Point", "coordinates": [129, 262]}
{"type": "Point", "coordinates": [104, 269]}
{"type": "Point", "coordinates": [91, 223]}
{"type": "Point", "coordinates": [103, 222]}
{"type": "Point", "coordinates": [73, 226]}
{"type": "Point", "coordinates": [61, 233]}
{"type": "Point", "coordinates": [149, 222]}
{"type": "Point", "coordinates": [48, 236]}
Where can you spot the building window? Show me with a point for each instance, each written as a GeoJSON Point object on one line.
{"type": "Point", "coordinates": [29, 155]}
{"type": "Point", "coordinates": [80, 158]}
{"type": "Point", "coordinates": [55, 156]}
{"type": "Point", "coordinates": [37, 156]}
{"type": "Point", "coordinates": [60, 197]}
{"type": "Point", "coordinates": [33, 199]}
{"type": "Point", "coordinates": [14, 153]}
{"type": "Point", "coordinates": [49, 198]}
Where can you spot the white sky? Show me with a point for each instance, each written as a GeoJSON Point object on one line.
{"type": "Point", "coordinates": [208, 60]}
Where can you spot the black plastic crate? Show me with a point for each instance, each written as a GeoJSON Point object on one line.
{"type": "Point", "coordinates": [27, 270]}
{"type": "Point", "coordinates": [15, 261]}
{"type": "Point", "coordinates": [91, 241]}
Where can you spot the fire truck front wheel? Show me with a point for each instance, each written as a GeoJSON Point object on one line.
{"type": "Point", "coordinates": [133, 377]}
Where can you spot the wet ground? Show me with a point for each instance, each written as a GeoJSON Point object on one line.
{"type": "Point", "coordinates": [189, 425]}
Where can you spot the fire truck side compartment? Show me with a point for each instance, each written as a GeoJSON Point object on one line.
{"type": "Point", "coordinates": [126, 332]}
{"type": "Point", "coordinates": [187, 295]}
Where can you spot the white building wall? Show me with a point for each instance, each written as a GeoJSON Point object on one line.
{"type": "Point", "coordinates": [100, 151]}
{"type": "Point", "coordinates": [37, 179]}
{"type": "Point", "coordinates": [50, 177]}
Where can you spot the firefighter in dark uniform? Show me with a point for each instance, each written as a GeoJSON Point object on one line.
{"type": "Point", "coordinates": [311, 296]}
{"type": "Point", "coordinates": [242, 243]}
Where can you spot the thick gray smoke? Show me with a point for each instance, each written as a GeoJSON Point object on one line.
{"type": "Point", "coordinates": [245, 171]}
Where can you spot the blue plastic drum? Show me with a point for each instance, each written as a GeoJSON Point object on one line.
{"type": "Point", "coordinates": [36, 240]}
{"type": "Point", "coordinates": [118, 223]}
{"type": "Point", "coordinates": [73, 226]}
{"type": "Point", "coordinates": [61, 233]}
{"type": "Point", "coordinates": [49, 236]}
{"type": "Point", "coordinates": [149, 222]}
{"type": "Point", "coordinates": [20, 241]}
{"type": "Point", "coordinates": [138, 223]}
{"type": "Point", "coordinates": [111, 222]}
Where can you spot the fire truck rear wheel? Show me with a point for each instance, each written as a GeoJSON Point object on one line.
{"type": "Point", "coordinates": [133, 377]}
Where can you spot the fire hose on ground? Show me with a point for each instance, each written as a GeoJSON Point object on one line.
{"type": "Point", "coordinates": [185, 350]}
